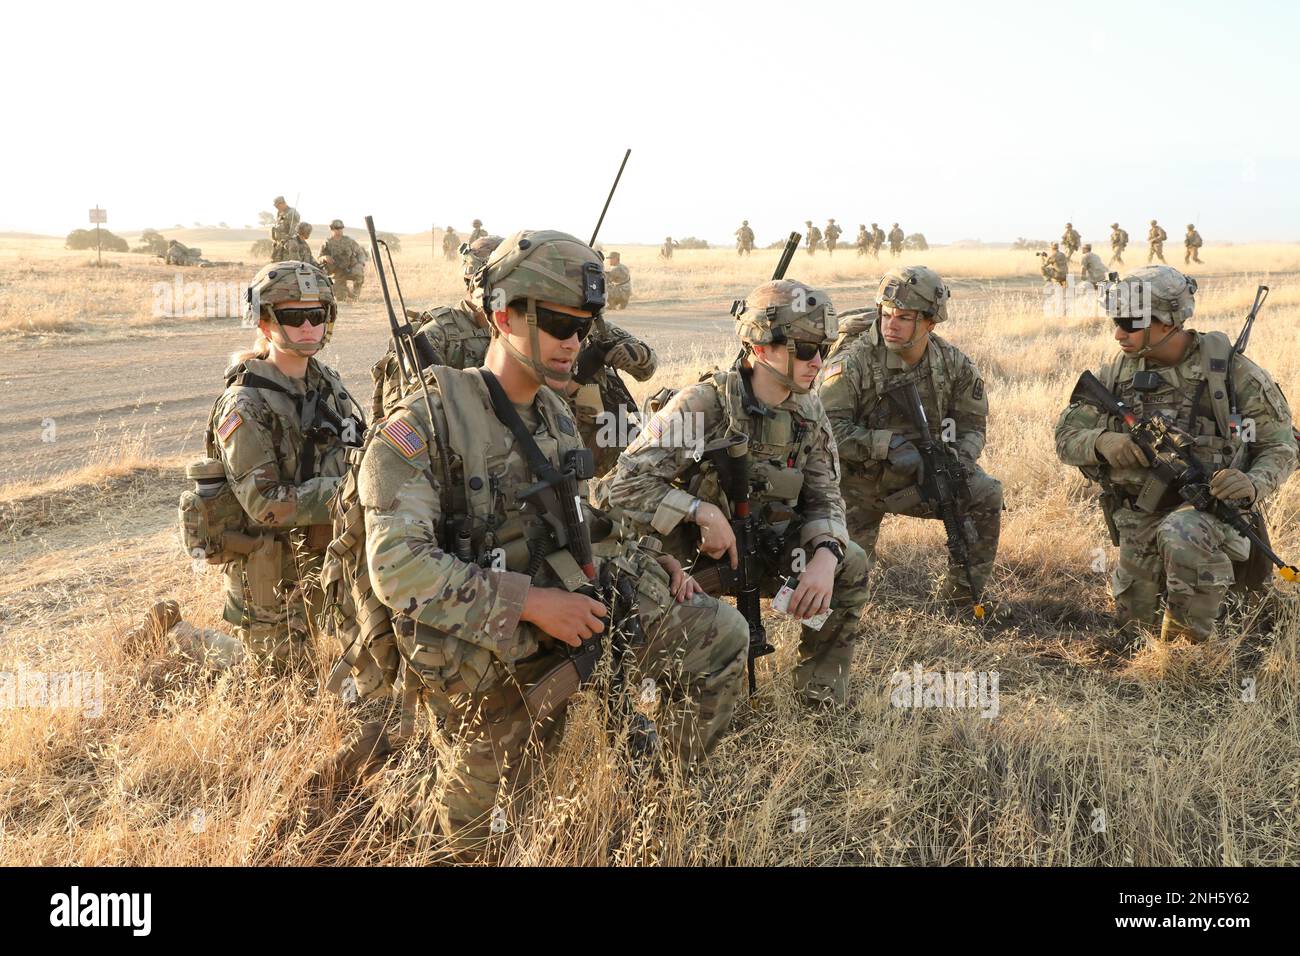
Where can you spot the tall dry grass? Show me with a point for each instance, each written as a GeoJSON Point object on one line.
{"type": "Point", "coordinates": [1096, 756]}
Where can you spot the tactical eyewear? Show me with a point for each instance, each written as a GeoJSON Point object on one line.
{"type": "Point", "coordinates": [1130, 323]}
{"type": "Point", "coordinates": [561, 325]}
{"type": "Point", "coordinates": [294, 318]}
{"type": "Point", "coordinates": [804, 351]}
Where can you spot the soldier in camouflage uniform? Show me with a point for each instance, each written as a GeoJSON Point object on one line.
{"type": "Point", "coordinates": [456, 336]}
{"type": "Point", "coordinates": [666, 250]}
{"type": "Point", "coordinates": [483, 624]}
{"type": "Point", "coordinates": [1167, 548]}
{"type": "Point", "coordinates": [1156, 237]}
{"type": "Point", "coordinates": [618, 282]}
{"type": "Point", "coordinates": [896, 345]}
{"type": "Point", "coordinates": [877, 240]}
{"type": "Point", "coordinates": [812, 238]}
{"type": "Point", "coordinates": [863, 243]}
{"type": "Point", "coordinates": [744, 239]}
{"type": "Point", "coordinates": [284, 228]}
{"type": "Point", "coordinates": [281, 431]}
{"type": "Point", "coordinates": [477, 233]}
{"type": "Point", "coordinates": [1070, 239]}
{"type": "Point", "coordinates": [1191, 245]}
{"type": "Point", "coordinates": [1091, 268]}
{"type": "Point", "coordinates": [450, 244]}
{"type": "Point", "coordinates": [832, 236]}
{"type": "Point", "coordinates": [179, 254]}
{"type": "Point", "coordinates": [1118, 243]}
{"type": "Point", "coordinates": [344, 262]}
{"type": "Point", "coordinates": [596, 398]}
{"type": "Point", "coordinates": [1055, 266]}
{"type": "Point", "coordinates": [661, 486]}
{"type": "Point", "coordinates": [297, 249]}
{"type": "Point", "coordinates": [896, 238]}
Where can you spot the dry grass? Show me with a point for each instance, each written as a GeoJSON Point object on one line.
{"type": "Point", "coordinates": [1167, 756]}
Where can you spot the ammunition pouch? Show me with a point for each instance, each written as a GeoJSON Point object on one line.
{"type": "Point", "coordinates": [262, 571]}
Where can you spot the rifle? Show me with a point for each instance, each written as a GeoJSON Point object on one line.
{"type": "Point", "coordinates": [1169, 449]}
{"type": "Point", "coordinates": [595, 232]}
{"type": "Point", "coordinates": [413, 355]}
{"type": "Point", "coordinates": [787, 256]}
{"type": "Point", "coordinates": [1239, 348]}
{"type": "Point", "coordinates": [943, 486]}
{"type": "Point", "coordinates": [729, 457]}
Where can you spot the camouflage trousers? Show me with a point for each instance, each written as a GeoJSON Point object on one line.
{"type": "Point", "coordinates": [501, 723]}
{"type": "Point", "coordinates": [1185, 555]}
{"type": "Point", "coordinates": [1191, 254]}
{"type": "Point", "coordinates": [825, 656]}
{"type": "Point", "coordinates": [1156, 251]}
{"type": "Point", "coordinates": [273, 599]}
{"type": "Point", "coordinates": [347, 285]}
{"type": "Point", "coordinates": [866, 508]}
{"type": "Point", "coordinates": [618, 296]}
{"type": "Point", "coordinates": [1116, 256]}
{"type": "Point", "coordinates": [895, 251]}
{"type": "Point", "coordinates": [744, 250]}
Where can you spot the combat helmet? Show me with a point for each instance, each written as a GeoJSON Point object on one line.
{"type": "Point", "coordinates": [291, 281]}
{"type": "Point", "coordinates": [1163, 292]}
{"type": "Point", "coordinates": [474, 255]}
{"type": "Point", "coordinates": [304, 229]}
{"type": "Point", "coordinates": [540, 266]}
{"type": "Point", "coordinates": [336, 224]}
{"type": "Point", "coordinates": [914, 287]}
{"type": "Point", "coordinates": [782, 311]}
{"type": "Point", "coordinates": [477, 223]}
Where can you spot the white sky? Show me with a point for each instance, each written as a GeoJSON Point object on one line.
{"type": "Point", "coordinates": [987, 121]}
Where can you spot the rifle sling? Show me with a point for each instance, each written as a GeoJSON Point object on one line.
{"type": "Point", "coordinates": [507, 414]}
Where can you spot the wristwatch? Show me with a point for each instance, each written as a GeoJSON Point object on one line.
{"type": "Point", "coordinates": [833, 546]}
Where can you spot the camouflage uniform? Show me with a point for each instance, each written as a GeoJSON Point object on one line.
{"type": "Point", "coordinates": [344, 262]}
{"type": "Point", "coordinates": [812, 238]}
{"type": "Point", "coordinates": [623, 352]}
{"type": "Point", "coordinates": [666, 250]}
{"type": "Point", "coordinates": [896, 238]}
{"type": "Point", "coordinates": [797, 476]}
{"type": "Point", "coordinates": [1070, 240]}
{"type": "Point", "coordinates": [284, 229]}
{"type": "Point", "coordinates": [478, 233]}
{"type": "Point", "coordinates": [1055, 266]}
{"type": "Point", "coordinates": [832, 234]}
{"type": "Point", "coordinates": [450, 244]}
{"type": "Point", "coordinates": [1191, 245]}
{"type": "Point", "coordinates": [1156, 237]}
{"type": "Point", "coordinates": [1091, 268]}
{"type": "Point", "coordinates": [1118, 243]}
{"type": "Point", "coordinates": [744, 239]}
{"type": "Point", "coordinates": [1174, 550]}
{"type": "Point", "coordinates": [854, 388]}
{"type": "Point", "coordinates": [283, 481]}
{"type": "Point", "coordinates": [863, 243]}
{"type": "Point", "coordinates": [877, 240]}
{"type": "Point", "coordinates": [499, 686]}
{"type": "Point", "coordinates": [179, 254]}
{"type": "Point", "coordinates": [618, 284]}
{"type": "Point", "coordinates": [296, 248]}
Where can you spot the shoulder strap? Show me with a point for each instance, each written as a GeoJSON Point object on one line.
{"type": "Point", "coordinates": [505, 412]}
{"type": "Point", "coordinates": [1217, 354]}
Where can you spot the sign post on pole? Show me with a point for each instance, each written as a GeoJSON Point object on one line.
{"type": "Point", "coordinates": [97, 216]}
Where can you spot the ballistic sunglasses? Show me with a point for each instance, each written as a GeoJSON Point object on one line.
{"type": "Point", "coordinates": [561, 325]}
{"type": "Point", "coordinates": [804, 351]}
{"type": "Point", "coordinates": [294, 318]}
{"type": "Point", "coordinates": [1131, 323]}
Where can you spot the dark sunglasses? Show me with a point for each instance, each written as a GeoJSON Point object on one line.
{"type": "Point", "coordinates": [294, 318]}
{"type": "Point", "coordinates": [1130, 323]}
{"type": "Point", "coordinates": [562, 326]}
{"type": "Point", "coordinates": [804, 351]}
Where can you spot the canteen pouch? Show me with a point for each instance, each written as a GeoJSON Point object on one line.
{"type": "Point", "coordinates": [208, 512]}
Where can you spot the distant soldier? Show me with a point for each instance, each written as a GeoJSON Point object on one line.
{"type": "Point", "coordinates": [450, 244]}
{"type": "Point", "coordinates": [179, 254]}
{"type": "Point", "coordinates": [598, 397]}
{"type": "Point", "coordinates": [1091, 268]}
{"type": "Point", "coordinates": [877, 240]}
{"type": "Point", "coordinates": [833, 233]}
{"type": "Point", "coordinates": [296, 248]}
{"type": "Point", "coordinates": [813, 238]}
{"type": "Point", "coordinates": [1156, 237]}
{"type": "Point", "coordinates": [618, 283]}
{"type": "Point", "coordinates": [744, 239]}
{"type": "Point", "coordinates": [344, 262]}
{"type": "Point", "coordinates": [863, 243]}
{"type": "Point", "coordinates": [478, 233]}
{"type": "Point", "coordinates": [1070, 239]}
{"type": "Point", "coordinates": [1118, 243]}
{"type": "Point", "coordinates": [284, 229]}
{"type": "Point", "coordinates": [666, 250]}
{"type": "Point", "coordinates": [1191, 245]}
{"type": "Point", "coordinates": [896, 238]}
{"type": "Point", "coordinates": [1055, 266]}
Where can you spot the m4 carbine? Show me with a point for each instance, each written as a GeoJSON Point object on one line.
{"type": "Point", "coordinates": [1169, 449]}
{"type": "Point", "coordinates": [943, 486]}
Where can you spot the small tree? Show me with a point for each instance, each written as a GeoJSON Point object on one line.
{"type": "Point", "coordinates": [916, 241]}
{"type": "Point", "coordinates": [266, 219]}
{"type": "Point", "coordinates": [86, 239]}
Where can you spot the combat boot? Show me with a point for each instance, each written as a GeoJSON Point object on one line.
{"type": "Point", "coordinates": [158, 620]}
{"type": "Point", "coordinates": [1171, 630]}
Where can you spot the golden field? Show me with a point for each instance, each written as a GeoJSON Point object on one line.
{"type": "Point", "coordinates": [1165, 756]}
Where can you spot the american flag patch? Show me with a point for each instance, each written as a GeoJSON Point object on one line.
{"type": "Point", "coordinates": [403, 437]}
{"type": "Point", "coordinates": [832, 372]}
{"type": "Point", "coordinates": [229, 424]}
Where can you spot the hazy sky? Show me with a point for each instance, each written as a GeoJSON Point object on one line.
{"type": "Point", "coordinates": [960, 120]}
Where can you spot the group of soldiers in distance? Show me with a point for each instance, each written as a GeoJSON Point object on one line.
{"type": "Point", "coordinates": [869, 241]}
{"type": "Point", "coordinates": [1056, 262]}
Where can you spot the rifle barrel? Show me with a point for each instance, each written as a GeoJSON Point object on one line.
{"type": "Point", "coordinates": [595, 232]}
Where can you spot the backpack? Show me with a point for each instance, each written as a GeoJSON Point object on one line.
{"type": "Point", "coordinates": [852, 324]}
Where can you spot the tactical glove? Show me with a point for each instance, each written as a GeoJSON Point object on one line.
{"type": "Point", "coordinates": [1120, 451]}
{"type": "Point", "coordinates": [904, 459]}
{"type": "Point", "coordinates": [591, 359]}
{"type": "Point", "coordinates": [1229, 484]}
